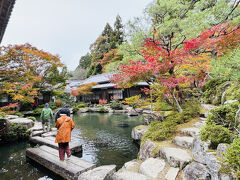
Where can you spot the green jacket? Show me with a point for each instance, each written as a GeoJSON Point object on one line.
{"type": "Point", "coordinates": [46, 114]}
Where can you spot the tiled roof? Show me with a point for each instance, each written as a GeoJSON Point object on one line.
{"type": "Point", "coordinates": [6, 7]}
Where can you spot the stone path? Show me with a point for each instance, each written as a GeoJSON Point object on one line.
{"type": "Point", "coordinates": [171, 160]}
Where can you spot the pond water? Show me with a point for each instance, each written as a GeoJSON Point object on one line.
{"type": "Point", "coordinates": [106, 139]}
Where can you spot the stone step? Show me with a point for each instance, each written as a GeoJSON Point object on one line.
{"type": "Point", "coordinates": [37, 126]}
{"type": "Point", "coordinates": [199, 124]}
{"type": "Point", "coordinates": [176, 157]}
{"type": "Point", "coordinates": [151, 167]}
{"type": "Point", "coordinates": [50, 141]}
{"type": "Point", "coordinates": [192, 131]}
{"type": "Point", "coordinates": [99, 173]}
{"type": "Point", "coordinates": [183, 141]}
{"type": "Point", "coordinates": [37, 133]}
{"type": "Point", "coordinates": [127, 175]}
{"type": "Point", "coordinates": [172, 173]}
{"type": "Point", "coordinates": [49, 158]}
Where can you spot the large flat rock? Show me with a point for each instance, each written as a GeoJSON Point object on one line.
{"type": "Point", "coordinates": [99, 173]}
{"type": "Point", "coordinates": [193, 131]}
{"type": "Point", "coordinates": [152, 167]}
{"type": "Point", "coordinates": [176, 157]}
{"type": "Point", "coordinates": [51, 133]}
{"type": "Point", "coordinates": [48, 157]}
{"type": "Point", "coordinates": [195, 171]}
{"type": "Point", "coordinates": [50, 141]}
{"type": "Point", "coordinates": [133, 165]}
{"type": "Point", "coordinates": [37, 126]}
{"type": "Point", "coordinates": [23, 121]}
{"type": "Point", "coordinates": [172, 173]}
{"type": "Point", "coordinates": [184, 141]}
{"type": "Point", "coordinates": [127, 175]}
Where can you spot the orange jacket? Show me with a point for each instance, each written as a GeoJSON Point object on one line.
{"type": "Point", "coordinates": [65, 125]}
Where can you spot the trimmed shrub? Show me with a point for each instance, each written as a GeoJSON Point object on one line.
{"type": "Point", "coordinates": [37, 111]}
{"type": "Point", "coordinates": [102, 109]}
{"type": "Point", "coordinates": [32, 118]}
{"type": "Point", "coordinates": [75, 109]}
{"type": "Point", "coordinates": [162, 106]}
{"type": "Point", "coordinates": [81, 105]}
{"type": "Point", "coordinates": [224, 115]}
{"type": "Point", "coordinates": [216, 134]}
{"type": "Point", "coordinates": [18, 114]}
{"type": "Point", "coordinates": [53, 105]}
{"type": "Point", "coordinates": [116, 105]}
{"type": "Point", "coordinates": [16, 132]}
{"type": "Point", "coordinates": [159, 131]}
{"type": "Point", "coordinates": [232, 157]}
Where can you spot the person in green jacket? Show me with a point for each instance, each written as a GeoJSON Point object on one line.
{"type": "Point", "coordinates": [46, 116]}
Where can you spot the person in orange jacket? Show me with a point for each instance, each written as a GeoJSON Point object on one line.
{"type": "Point", "coordinates": [65, 126]}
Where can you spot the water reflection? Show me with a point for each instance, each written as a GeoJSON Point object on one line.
{"type": "Point", "coordinates": [106, 139]}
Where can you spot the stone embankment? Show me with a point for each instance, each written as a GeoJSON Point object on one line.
{"type": "Point", "coordinates": [185, 157]}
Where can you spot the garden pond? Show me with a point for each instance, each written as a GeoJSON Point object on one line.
{"type": "Point", "coordinates": [106, 140]}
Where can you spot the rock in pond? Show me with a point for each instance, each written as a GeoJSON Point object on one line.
{"type": "Point", "coordinates": [138, 132]}
{"type": "Point", "coordinates": [99, 173]}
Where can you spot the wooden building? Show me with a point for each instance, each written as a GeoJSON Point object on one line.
{"type": "Point", "coordinates": [6, 7]}
{"type": "Point", "coordinates": [106, 90]}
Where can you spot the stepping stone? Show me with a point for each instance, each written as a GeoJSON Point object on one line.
{"type": "Point", "coordinates": [49, 158]}
{"type": "Point", "coordinates": [99, 173]}
{"type": "Point", "coordinates": [23, 121]}
{"type": "Point", "coordinates": [51, 133]}
{"type": "Point", "coordinates": [193, 131]}
{"type": "Point", "coordinates": [50, 141]}
{"type": "Point", "coordinates": [184, 141]}
{"type": "Point", "coordinates": [37, 126]}
{"type": "Point", "coordinates": [8, 117]}
{"type": "Point", "coordinates": [199, 124]}
{"type": "Point", "coordinates": [152, 167]}
{"type": "Point", "coordinates": [172, 173]}
{"type": "Point", "coordinates": [176, 157]}
{"type": "Point", "coordinates": [127, 175]}
{"type": "Point", "coordinates": [37, 133]}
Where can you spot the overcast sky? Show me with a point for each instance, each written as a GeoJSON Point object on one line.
{"type": "Point", "coordinates": [66, 27]}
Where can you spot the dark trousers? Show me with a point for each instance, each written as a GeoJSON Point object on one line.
{"type": "Point", "coordinates": [63, 148]}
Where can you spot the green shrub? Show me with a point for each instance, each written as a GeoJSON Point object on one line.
{"type": "Point", "coordinates": [81, 105]}
{"type": "Point", "coordinates": [162, 106]}
{"type": "Point", "coordinates": [232, 157]}
{"type": "Point", "coordinates": [37, 111]}
{"type": "Point", "coordinates": [18, 114]}
{"type": "Point", "coordinates": [224, 115]}
{"type": "Point", "coordinates": [116, 105]}
{"type": "Point", "coordinates": [159, 131]}
{"type": "Point", "coordinates": [2, 115]}
{"type": "Point", "coordinates": [32, 118]}
{"type": "Point", "coordinates": [102, 109]}
{"type": "Point", "coordinates": [210, 89]}
{"type": "Point", "coordinates": [75, 109]}
{"type": "Point", "coordinates": [53, 105]}
{"type": "Point", "coordinates": [16, 132]}
{"type": "Point", "coordinates": [216, 134]}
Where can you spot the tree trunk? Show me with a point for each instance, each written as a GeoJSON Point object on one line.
{"type": "Point", "coordinates": [176, 102]}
